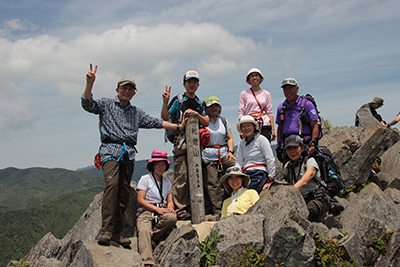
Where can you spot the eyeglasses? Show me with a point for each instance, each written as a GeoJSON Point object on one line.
{"type": "Point", "coordinates": [127, 88]}
{"type": "Point", "coordinates": [233, 169]}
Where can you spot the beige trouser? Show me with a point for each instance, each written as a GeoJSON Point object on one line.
{"type": "Point", "coordinates": [117, 177]}
{"type": "Point", "coordinates": [212, 187]}
{"type": "Point", "coordinates": [146, 232]}
{"type": "Point", "coordinates": [180, 185]}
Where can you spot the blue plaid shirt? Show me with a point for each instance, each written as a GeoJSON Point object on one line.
{"type": "Point", "coordinates": [119, 124]}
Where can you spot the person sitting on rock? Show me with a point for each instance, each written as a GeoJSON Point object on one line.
{"type": "Point", "coordinates": [254, 155]}
{"type": "Point", "coordinates": [156, 214]}
{"type": "Point", "coordinates": [376, 103]}
{"type": "Point", "coordinates": [299, 173]}
{"type": "Point", "coordinates": [236, 184]}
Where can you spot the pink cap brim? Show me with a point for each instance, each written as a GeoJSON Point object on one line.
{"type": "Point", "coordinates": [158, 159]}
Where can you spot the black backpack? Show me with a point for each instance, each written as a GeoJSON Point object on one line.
{"type": "Point", "coordinates": [331, 179]}
{"type": "Point", "coordinates": [305, 119]}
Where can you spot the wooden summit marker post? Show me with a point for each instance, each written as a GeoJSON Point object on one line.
{"type": "Point", "coordinates": [195, 175]}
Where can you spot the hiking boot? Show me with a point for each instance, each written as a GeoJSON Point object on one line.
{"type": "Point", "coordinates": [336, 209]}
{"type": "Point", "coordinates": [105, 238]}
{"type": "Point", "coordinates": [125, 242]}
{"type": "Point", "coordinates": [184, 216]}
{"type": "Point", "coordinates": [212, 218]}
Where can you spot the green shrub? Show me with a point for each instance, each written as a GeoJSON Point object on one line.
{"type": "Point", "coordinates": [252, 257]}
{"type": "Point", "coordinates": [208, 256]}
{"type": "Point", "coordinates": [22, 263]}
{"type": "Point", "coordinates": [380, 244]}
{"type": "Point", "coordinates": [329, 253]}
{"type": "Point", "coordinates": [345, 192]}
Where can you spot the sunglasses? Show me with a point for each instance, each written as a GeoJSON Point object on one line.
{"type": "Point", "coordinates": [289, 81]}
{"type": "Point", "coordinates": [233, 169]}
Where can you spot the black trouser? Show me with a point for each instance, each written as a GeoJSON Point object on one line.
{"type": "Point", "coordinates": [267, 132]}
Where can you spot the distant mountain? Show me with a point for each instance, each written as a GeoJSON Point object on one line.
{"type": "Point", "coordinates": [21, 229]}
{"type": "Point", "coordinates": [140, 169]}
{"type": "Point", "coordinates": [26, 188]}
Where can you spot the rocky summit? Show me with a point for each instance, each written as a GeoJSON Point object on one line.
{"type": "Point", "coordinates": [367, 230]}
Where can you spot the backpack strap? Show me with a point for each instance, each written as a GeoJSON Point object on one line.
{"type": "Point", "coordinates": [226, 127]}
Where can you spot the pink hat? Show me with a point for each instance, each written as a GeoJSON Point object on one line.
{"type": "Point", "coordinates": [159, 155]}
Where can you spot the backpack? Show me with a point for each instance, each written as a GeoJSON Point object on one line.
{"type": "Point", "coordinates": [177, 118]}
{"type": "Point", "coordinates": [205, 133]}
{"type": "Point", "coordinates": [305, 119]}
{"type": "Point", "coordinates": [170, 134]}
{"type": "Point", "coordinates": [331, 179]}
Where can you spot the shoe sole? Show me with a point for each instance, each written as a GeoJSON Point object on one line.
{"type": "Point", "coordinates": [103, 242]}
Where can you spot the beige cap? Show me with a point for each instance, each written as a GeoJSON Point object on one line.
{"type": "Point", "coordinates": [289, 81]}
{"type": "Point", "coordinates": [126, 80]}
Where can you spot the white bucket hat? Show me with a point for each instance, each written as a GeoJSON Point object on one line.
{"type": "Point", "coordinates": [246, 118]}
{"type": "Point", "coordinates": [251, 71]}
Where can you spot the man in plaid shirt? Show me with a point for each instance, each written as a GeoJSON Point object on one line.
{"type": "Point", "coordinates": [119, 124]}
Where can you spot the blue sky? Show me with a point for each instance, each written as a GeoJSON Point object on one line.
{"type": "Point", "coordinates": [342, 52]}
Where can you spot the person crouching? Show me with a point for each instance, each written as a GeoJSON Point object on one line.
{"type": "Point", "coordinates": [236, 184]}
{"type": "Point", "coordinates": [156, 213]}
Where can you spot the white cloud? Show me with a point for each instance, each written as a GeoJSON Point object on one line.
{"type": "Point", "coordinates": [16, 26]}
{"type": "Point", "coordinates": [18, 112]}
{"type": "Point", "coordinates": [46, 65]}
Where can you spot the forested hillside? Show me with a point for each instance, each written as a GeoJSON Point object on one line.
{"type": "Point", "coordinates": [22, 229]}
{"type": "Point", "coordinates": [27, 188]}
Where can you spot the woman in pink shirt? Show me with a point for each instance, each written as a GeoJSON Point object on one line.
{"type": "Point", "coordinates": [257, 102]}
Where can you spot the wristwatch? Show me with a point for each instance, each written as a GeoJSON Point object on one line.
{"type": "Point", "coordinates": [232, 151]}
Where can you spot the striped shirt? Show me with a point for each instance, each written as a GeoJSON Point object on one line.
{"type": "Point", "coordinates": [119, 124]}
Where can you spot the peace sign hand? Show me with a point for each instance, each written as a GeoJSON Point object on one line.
{"type": "Point", "coordinates": [91, 75]}
{"type": "Point", "coordinates": [166, 94]}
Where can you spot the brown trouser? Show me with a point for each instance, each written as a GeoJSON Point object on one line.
{"type": "Point", "coordinates": [212, 187]}
{"type": "Point", "coordinates": [146, 232]}
{"type": "Point", "coordinates": [117, 177]}
{"type": "Point", "coordinates": [180, 185]}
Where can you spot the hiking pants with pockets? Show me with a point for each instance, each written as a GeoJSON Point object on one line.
{"type": "Point", "coordinates": [180, 185]}
{"type": "Point", "coordinates": [117, 177]}
{"type": "Point", "coordinates": [146, 232]}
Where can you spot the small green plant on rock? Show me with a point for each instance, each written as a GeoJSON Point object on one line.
{"type": "Point", "coordinates": [208, 256]}
{"type": "Point", "coordinates": [22, 263]}
{"type": "Point", "coordinates": [252, 257]}
{"type": "Point", "coordinates": [345, 192]}
{"type": "Point", "coordinates": [329, 253]}
{"type": "Point", "coordinates": [380, 244]}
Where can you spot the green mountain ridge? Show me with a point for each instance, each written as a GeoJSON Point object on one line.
{"type": "Point", "coordinates": [27, 188]}
{"type": "Point", "coordinates": [22, 229]}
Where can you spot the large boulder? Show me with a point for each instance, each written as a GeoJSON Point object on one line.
{"type": "Point", "coordinates": [365, 117]}
{"type": "Point", "coordinates": [87, 229]}
{"type": "Point", "coordinates": [90, 254]}
{"type": "Point", "coordinates": [370, 214]}
{"type": "Point", "coordinates": [237, 232]}
{"type": "Point", "coordinates": [180, 249]}
{"type": "Point", "coordinates": [354, 149]}
{"type": "Point", "coordinates": [277, 196]}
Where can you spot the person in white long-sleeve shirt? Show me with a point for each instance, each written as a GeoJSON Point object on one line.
{"type": "Point", "coordinates": [254, 155]}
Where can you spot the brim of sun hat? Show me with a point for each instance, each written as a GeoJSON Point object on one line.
{"type": "Point", "coordinates": [244, 119]}
{"type": "Point", "coordinates": [224, 181]}
{"type": "Point", "coordinates": [158, 159]}
{"type": "Point", "coordinates": [256, 71]}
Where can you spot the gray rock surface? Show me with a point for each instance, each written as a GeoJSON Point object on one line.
{"type": "Point", "coordinates": [365, 117]}
{"type": "Point", "coordinates": [277, 223]}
